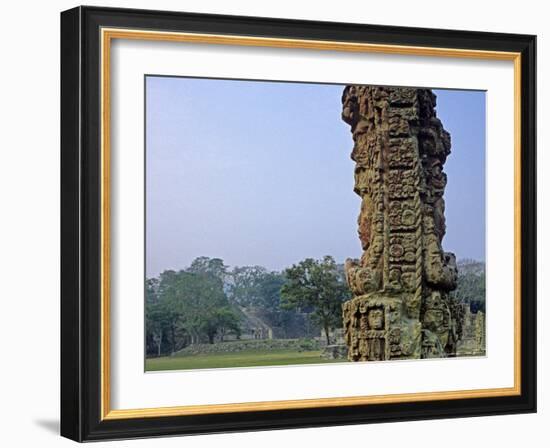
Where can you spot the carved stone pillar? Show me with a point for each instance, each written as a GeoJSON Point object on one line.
{"type": "Point", "coordinates": [401, 306]}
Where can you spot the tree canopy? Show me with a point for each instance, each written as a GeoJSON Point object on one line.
{"type": "Point", "coordinates": [256, 286]}
{"type": "Point", "coordinates": [188, 306]}
{"type": "Point", "coordinates": [316, 286]}
{"type": "Point", "coordinates": [471, 284]}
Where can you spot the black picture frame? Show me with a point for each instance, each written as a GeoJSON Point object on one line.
{"type": "Point", "coordinates": [81, 224]}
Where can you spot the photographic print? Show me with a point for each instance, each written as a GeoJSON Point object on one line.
{"type": "Point", "coordinates": [294, 223]}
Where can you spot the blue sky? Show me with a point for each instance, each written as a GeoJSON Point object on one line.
{"type": "Point", "coordinates": [259, 173]}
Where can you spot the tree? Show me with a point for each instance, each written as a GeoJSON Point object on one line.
{"type": "Point", "coordinates": [157, 321]}
{"type": "Point", "coordinates": [244, 287]}
{"type": "Point", "coordinates": [471, 284]}
{"type": "Point", "coordinates": [188, 306]}
{"type": "Point", "coordinates": [155, 317]}
{"type": "Point", "coordinates": [316, 286]}
{"type": "Point", "coordinates": [213, 267]}
{"type": "Point", "coordinates": [198, 296]}
{"type": "Point", "coordinates": [256, 286]}
{"type": "Point", "coordinates": [269, 287]}
{"type": "Point", "coordinates": [162, 316]}
{"type": "Point", "coordinates": [220, 321]}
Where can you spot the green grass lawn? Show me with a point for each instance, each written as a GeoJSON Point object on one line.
{"type": "Point", "coordinates": [247, 358]}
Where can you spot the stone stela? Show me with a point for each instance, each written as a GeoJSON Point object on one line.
{"type": "Point", "coordinates": [401, 308]}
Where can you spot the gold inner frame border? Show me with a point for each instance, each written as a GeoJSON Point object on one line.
{"type": "Point", "coordinates": [107, 35]}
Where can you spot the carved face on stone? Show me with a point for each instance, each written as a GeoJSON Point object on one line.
{"type": "Point", "coordinates": [395, 314]}
{"type": "Point", "coordinates": [438, 177]}
{"type": "Point", "coordinates": [375, 318]}
{"type": "Point", "coordinates": [395, 278]}
{"type": "Point", "coordinates": [450, 261]}
{"type": "Point", "coordinates": [435, 316]}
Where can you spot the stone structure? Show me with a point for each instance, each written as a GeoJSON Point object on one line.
{"type": "Point", "coordinates": [472, 342]}
{"type": "Point", "coordinates": [401, 307]}
{"type": "Point", "coordinates": [336, 351]}
{"type": "Point", "coordinates": [336, 336]}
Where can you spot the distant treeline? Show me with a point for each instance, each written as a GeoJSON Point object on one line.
{"type": "Point", "coordinates": [471, 284]}
{"type": "Point", "coordinates": [208, 302]}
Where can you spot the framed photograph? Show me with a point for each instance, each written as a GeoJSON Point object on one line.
{"type": "Point", "coordinates": [273, 223]}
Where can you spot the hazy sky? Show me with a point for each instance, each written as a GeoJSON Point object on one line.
{"type": "Point", "coordinates": [259, 173]}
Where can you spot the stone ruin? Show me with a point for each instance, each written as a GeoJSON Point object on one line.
{"type": "Point", "coordinates": [401, 308]}
{"type": "Point", "coordinates": [472, 342]}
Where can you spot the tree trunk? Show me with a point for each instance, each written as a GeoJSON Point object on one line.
{"type": "Point", "coordinates": [160, 343]}
{"type": "Point", "coordinates": [173, 334]}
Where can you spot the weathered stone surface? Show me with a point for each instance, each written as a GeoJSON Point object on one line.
{"type": "Point", "coordinates": [401, 306]}
{"type": "Point", "coordinates": [472, 342]}
{"type": "Point", "coordinates": [335, 351]}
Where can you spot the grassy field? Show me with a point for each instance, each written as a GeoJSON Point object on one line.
{"type": "Point", "coordinates": [239, 359]}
